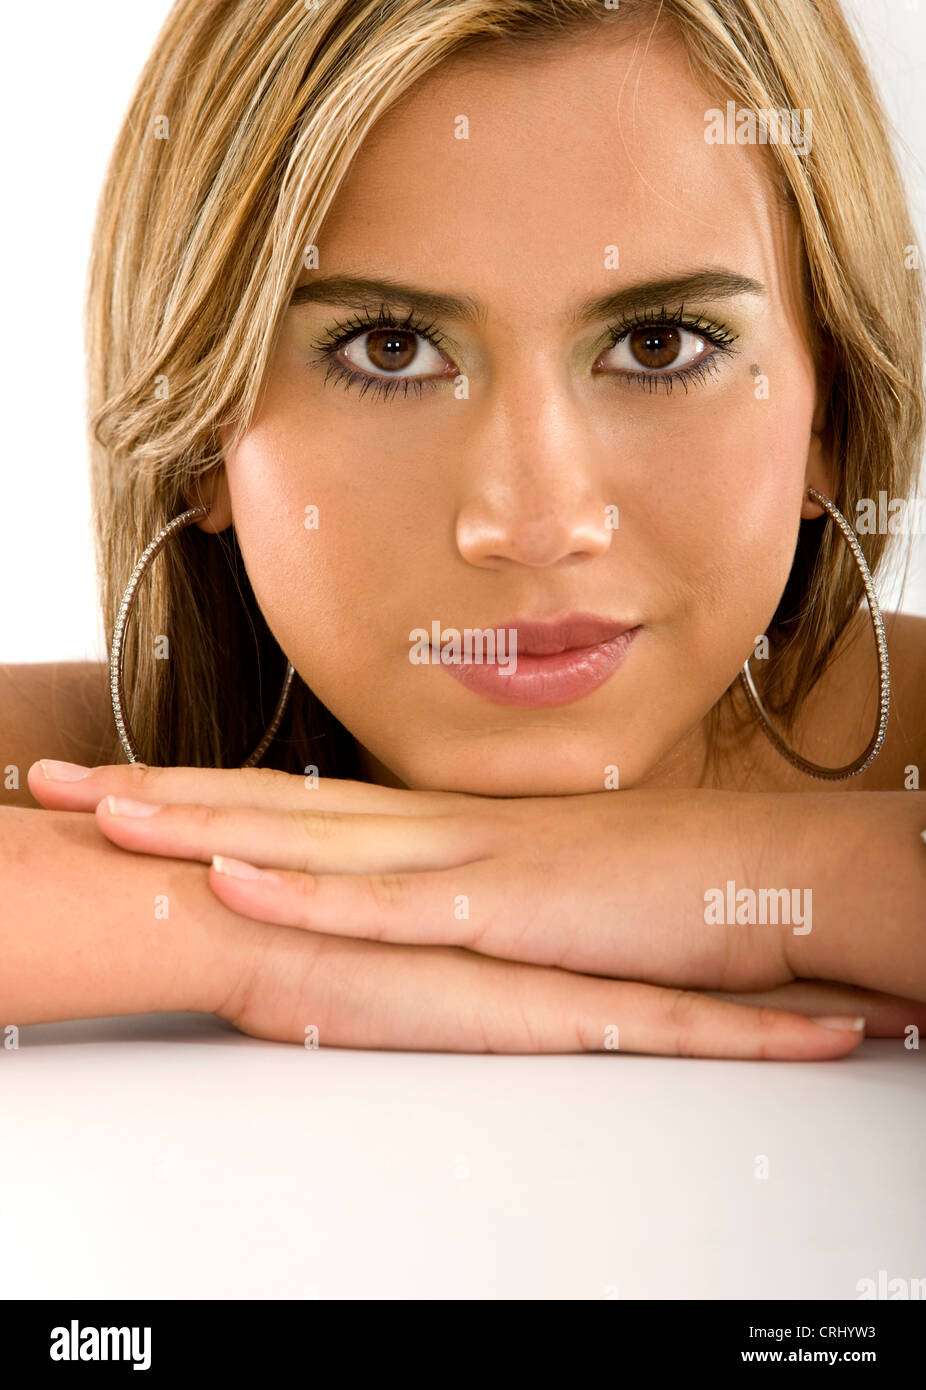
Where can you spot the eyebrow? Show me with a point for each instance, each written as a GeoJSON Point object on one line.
{"type": "Point", "coordinates": [356, 292]}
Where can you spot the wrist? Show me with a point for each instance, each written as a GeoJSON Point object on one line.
{"type": "Point", "coordinates": [92, 931]}
{"type": "Point", "coordinates": [864, 859]}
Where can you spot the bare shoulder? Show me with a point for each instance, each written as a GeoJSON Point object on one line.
{"type": "Point", "coordinates": [840, 713]}
{"type": "Point", "coordinates": [855, 686]}
{"type": "Point", "coordinates": [909, 631]}
{"type": "Point", "coordinates": [57, 709]}
{"type": "Point", "coordinates": [906, 644]}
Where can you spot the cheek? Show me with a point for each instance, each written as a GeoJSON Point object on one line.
{"type": "Point", "coordinates": [319, 553]}
{"type": "Point", "coordinates": [293, 528]}
{"type": "Point", "coordinates": [726, 522]}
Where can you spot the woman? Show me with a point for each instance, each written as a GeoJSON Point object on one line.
{"type": "Point", "coordinates": [618, 359]}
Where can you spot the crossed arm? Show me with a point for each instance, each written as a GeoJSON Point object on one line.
{"type": "Point", "coordinates": [441, 921]}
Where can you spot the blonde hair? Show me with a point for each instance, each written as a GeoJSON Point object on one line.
{"type": "Point", "coordinates": [200, 238]}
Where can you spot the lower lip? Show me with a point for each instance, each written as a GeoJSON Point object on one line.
{"type": "Point", "coordinates": [546, 680]}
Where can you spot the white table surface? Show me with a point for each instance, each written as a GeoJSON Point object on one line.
{"type": "Point", "coordinates": [169, 1156]}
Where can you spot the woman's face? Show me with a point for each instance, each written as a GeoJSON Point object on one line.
{"type": "Point", "coordinates": [481, 485]}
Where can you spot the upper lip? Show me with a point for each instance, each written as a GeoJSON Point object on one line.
{"type": "Point", "coordinates": [536, 637]}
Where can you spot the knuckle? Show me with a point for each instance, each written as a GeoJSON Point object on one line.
{"type": "Point", "coordinates": [306, 885]}
{"type": "Point", "coordinates": [681, 1005]}
{"type": "Point", "coordinates": [317, 825]}
{"type": "Point", "coordinates": [684, 1008]}
{"type": "Point", "coordinates": [142, 777]}
{"type": "Point", "coordinates": [304, 888]}
{"type": "Point", "coordinates": [387, 890]}
{"type": "Point", "coordinates": [767, 1019]}
{"type": "Point", "coordinates": [265, 775]}
{"type": "Point", "coordinates": [201, 814]}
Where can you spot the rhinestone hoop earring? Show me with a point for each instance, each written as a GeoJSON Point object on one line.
{"type": "Point", "coordinates": [117, 652]}
{"type": "Point", "coordinates": [884, 671]}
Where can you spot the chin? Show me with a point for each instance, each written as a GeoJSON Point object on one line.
{"type": "Point", "coordinates": [521, 771]}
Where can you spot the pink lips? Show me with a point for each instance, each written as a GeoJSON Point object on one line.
{"type": "Point", "coordinates": [557, 662]}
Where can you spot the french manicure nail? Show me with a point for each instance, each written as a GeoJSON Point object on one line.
{"type": "Point", "coordinates": [124, 806]}
{"type": "Point", "coordinates": [63, 772]}
{"type": "Point", "coordinates": [846, 1025]}
{"type": "Point", "coordinates": [238, 868]}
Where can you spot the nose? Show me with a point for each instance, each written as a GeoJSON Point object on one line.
{"type": "Point", "coordinates": [535, 491]}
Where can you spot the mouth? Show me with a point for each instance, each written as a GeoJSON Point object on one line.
{"type": "Point", "coordinates": [553, 662]}
{"type": "Point", "coordinates": [575, 632]}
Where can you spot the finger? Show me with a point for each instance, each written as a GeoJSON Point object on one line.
{"type": "Point", "coordinates": [443, 906]}
{"type": "Point", "coordinates": [886, 1015]}
{"type": "Point", "coordinates": [424, 908]}
{"type": "Point", "coordinates": [312, 842]}
{"type": "Point", "coordinates": [232, 786]}
{"type": "Point", "coordinates": [362, 994]}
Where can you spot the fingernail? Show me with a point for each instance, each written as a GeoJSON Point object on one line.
{"type": "Point", "coordinates": [847, 1025]}
{"type": "Point", "coordinates": [63, 772]}
{"type": "Point", "coordinates": [124, 806]}
{"type": "Point", "coordinates": [238, 868]}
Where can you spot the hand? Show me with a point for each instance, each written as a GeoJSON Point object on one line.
{"type": "Point", "coordinates": [607, 884]}
{"type": "Point", "coordinates": [365, 994]}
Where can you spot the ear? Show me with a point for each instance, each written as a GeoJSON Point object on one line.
{"type": "Point", "coordinates": [212, 490]}
{"type": "Point", "coordinates": [821, 467]}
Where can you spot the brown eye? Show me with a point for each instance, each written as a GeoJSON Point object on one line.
{"type": "Point", "coordinates": [390, 349]}
{"type": "Point", "coordinates": [655, 347]}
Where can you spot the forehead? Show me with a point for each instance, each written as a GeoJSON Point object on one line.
{"type": "Point", "coordinates": [572, 147]}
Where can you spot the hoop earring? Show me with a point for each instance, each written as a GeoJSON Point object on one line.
{"type": "Point", "coordinates": [117, 652]}
{"type": "Point", "coordinates": [884, 671]}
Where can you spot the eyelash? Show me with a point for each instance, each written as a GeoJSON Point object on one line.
{"type": "Point", "coordinates": [342, 333]}
{"type": "Point", "coordinates": [720, 337]}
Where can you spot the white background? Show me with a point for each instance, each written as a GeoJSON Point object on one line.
{"type": "Point", "coordinates": [168, 1156]}
{"type": "Point", "coordinates": [71, 74]}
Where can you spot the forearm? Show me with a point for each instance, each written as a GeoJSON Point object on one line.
{"type": "Point", "coordinates": [863, 858]}
{"type": "Point", "coordinates": [87, 930]}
